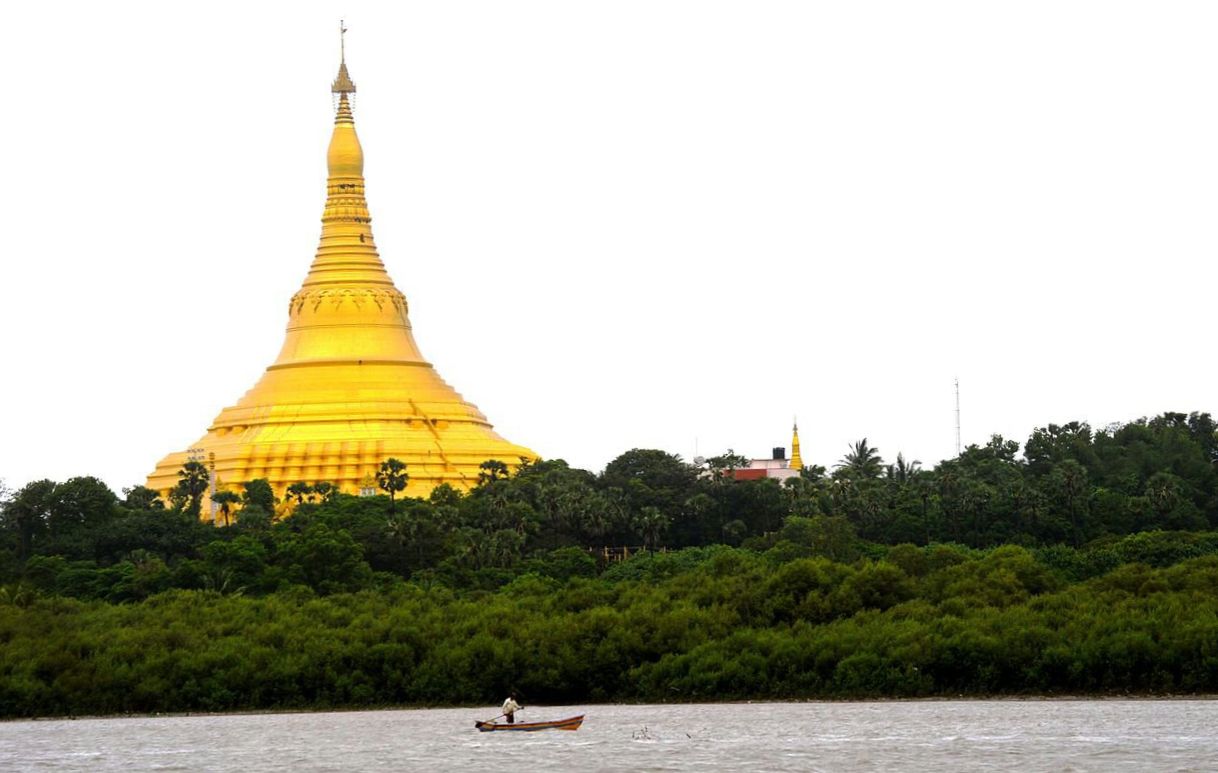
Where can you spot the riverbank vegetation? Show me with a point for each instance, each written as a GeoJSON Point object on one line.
{"type": "Point", "coordinates": [1086, 564]}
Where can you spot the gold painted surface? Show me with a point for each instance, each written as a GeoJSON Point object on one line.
{"type": "Point", "coordinates": [349, 388]}
{"type": "Point", "coordinates": [797, 462]}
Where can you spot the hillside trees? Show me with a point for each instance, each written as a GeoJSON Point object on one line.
{"type": "Point", "coordinates": [1078, 487]}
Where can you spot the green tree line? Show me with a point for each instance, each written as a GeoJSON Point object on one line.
{"type": "Point", "coordinates": [696, 624]}
{"type": "Point", "coordinates": [870, 549]}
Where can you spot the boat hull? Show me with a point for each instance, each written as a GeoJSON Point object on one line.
{"type": "Point", "coordinates": [570, 723]}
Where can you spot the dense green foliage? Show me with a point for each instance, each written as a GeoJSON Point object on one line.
{"type": "Point", "coordinates": [1088, 564]}
{"type": "Point", "coordinates": [702, 623]}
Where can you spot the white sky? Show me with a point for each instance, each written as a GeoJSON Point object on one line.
{"type": "Point", "coordinates": [619, 224]}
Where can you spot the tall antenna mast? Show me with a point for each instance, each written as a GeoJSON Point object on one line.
{"type": "Point", "coordinates": [957, 417]}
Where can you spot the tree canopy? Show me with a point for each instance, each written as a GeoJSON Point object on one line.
{"type": "Point", "coordinates": [694, 584]}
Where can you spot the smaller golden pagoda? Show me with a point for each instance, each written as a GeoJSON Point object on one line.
{"type": "Point", "coordinates": [350, 387]}
{"type": "Point", "coordinates": [797, 462]}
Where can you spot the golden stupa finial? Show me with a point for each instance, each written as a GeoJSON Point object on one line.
{"type": "Point", "coordinates": [343, 83]}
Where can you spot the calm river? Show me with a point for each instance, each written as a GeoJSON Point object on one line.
{"type": "Point", "coordinates": [915, 736]}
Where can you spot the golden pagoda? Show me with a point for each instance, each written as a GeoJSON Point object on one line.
{"type": "Point", "coordinates": [349, 388]}
{"type": "Point", "coordinates": [797, 461]}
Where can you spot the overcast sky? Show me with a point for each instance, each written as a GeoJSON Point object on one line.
{"type": "Point", "coordinates": [619, 224]}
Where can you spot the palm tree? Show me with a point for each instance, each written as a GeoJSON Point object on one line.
{"type": "Point", "coordinates": [225, 500]}
{"type": "Point", "coordinates": [1071, 480]}
{"type": "Point", "coordinates": [862, 462]}
{"type": "Point", "coordinates": [813, 473]}
{"type": "Point", "coordinates": [392, 478]}
{"type": "Point", "coordinates": [650, 524]}
{"type": "Point", "coordinates": [400, 529]}
{"type": "Point", "coordinates": [1163, 490]}
{"type": "Point", "coordinates": [949, 490]}
{"type": "Point", "coordinates": [300, 490]}
{"type": "Point", "coordinates": [903, 471]}
{"type": "Point", "coordinates": [492, 470]}
{"type": "Point", "coordinates": [734, 532]}
{"type": "Point", "coordinates": [193, 480]}
{"type": "Point", "coordinates": [697, 508]}
{"type": "Point", "coordinates": [405, 529]}
{"type": "Point", "coordinates": [325, 490]}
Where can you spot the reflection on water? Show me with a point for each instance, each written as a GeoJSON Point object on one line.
{"type": "Point", "coordinates": [900, 736]}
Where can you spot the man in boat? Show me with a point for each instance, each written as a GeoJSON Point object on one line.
{"type": "Point", "coordinates": [510, 707]}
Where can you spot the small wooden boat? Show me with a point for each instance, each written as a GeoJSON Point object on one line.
{"type": "Point", "coordinates": [570, 723]}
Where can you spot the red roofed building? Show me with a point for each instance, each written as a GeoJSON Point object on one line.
{"type": "Point", "coordinates": [777, 466]}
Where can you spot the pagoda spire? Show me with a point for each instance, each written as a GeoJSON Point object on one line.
{"type": "Point", "coordinates": [347, 266]}
{"type": "Point", "coordinates": [346, 255]}
{"type": "Point", "coordinates": [343, 85]}
{"type": "Point", "coordinates": [797, 462]}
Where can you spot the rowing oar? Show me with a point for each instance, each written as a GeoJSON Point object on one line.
{"type": "Point", "coordinates": [487, 722]}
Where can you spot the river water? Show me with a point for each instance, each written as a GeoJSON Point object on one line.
{"type": "Point", "coordinates": [1032, 735]}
